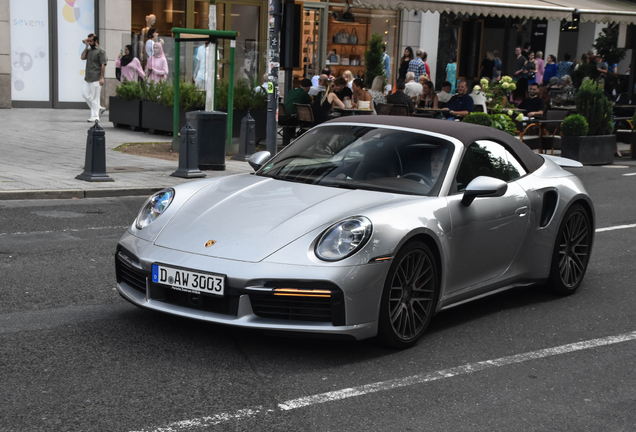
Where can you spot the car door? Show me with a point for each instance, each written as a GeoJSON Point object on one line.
{"type": "Point", "coordinates": [486, 235]}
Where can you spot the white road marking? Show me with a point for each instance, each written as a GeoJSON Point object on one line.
{"type": "Point", "coordinates": [617, 227]}
{"type": "Point", "coordinates": [66, 230]}
{"type": "Point", "coordinates": [629, 174]}
{"type": "Point", "coordinates": [395, 383]}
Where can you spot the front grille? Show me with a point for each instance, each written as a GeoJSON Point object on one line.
{"type": "Point", "coordinates": [301, 308]}
{"type": "Point", "coordinates": [226, 305]}
{"type": "Point", "coordinates": [128, 273]}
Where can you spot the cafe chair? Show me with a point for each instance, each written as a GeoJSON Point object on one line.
{"type": "Point", "coordinates": [288, 123]}
{"type": "Point", "coordinates": [383, 108]}
{"type": "Point", "coordinates": [400, 110]}
{"type": "Point", "coordinates": [551, 125]}
{"type": "Point", "coordinates": [530, 135]}
{"type": "Point", "coordinates": [305, 116]}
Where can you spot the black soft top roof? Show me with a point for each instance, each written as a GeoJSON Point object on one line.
{"type": "Point", "coordinates": [465, 132]}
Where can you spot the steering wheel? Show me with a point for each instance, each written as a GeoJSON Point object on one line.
{"type": "Point", "coordinates": [419, 177]}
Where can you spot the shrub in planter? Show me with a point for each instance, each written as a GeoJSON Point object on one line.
{"type": "Point", "coordinates": [125, 106]}
{"type": "Point", "coordinates": [574, 125]}
{"type": "Point", "coordinates": [595, 107]}
{"type": "Point", "coordinates": [157, 109]}
{"type": "Point", "coordinates": [479, 118]}
{"type": "Point", "coordinates": [246, 99]}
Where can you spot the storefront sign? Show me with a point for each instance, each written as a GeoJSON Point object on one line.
{"type": "Point", "coordinates": [75, 20]}
{"type": "Point", "coordinates": [29, 23]}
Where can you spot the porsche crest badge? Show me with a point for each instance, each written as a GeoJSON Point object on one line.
{"type": "Point", "coordinates": [210, 243]}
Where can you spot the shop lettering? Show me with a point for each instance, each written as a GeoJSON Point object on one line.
{"type": "Point", "coordinates": [29, 23]}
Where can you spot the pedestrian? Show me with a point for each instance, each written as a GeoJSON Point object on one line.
{"type": "Point", "coordinates": [150, 44]}
{"type": "Point", "coordinates": [298, 95]}
{"type": "Point", "coordinates": [158, 65]}
{"type": "Point", "coordinates": [130, 66]}
{"type": "Point", "coordinates": [487, 66]}
{"type": "Point", "coordinates": [399, 97]}
{"type": "Point", "coordinates": [96, 61]}
{"type": "Point", "coordinates": [526, 50]}
{"type": "Point", "coordinates": [498, 64]}
{"type": "Point", "coordinates": [377, 90]}
{"type": "Point", "coordinates": [416, 65]}
{"type": "Point", "coordinates": [428, 98]}
{"type": "Point", "coordinates": [582, 61]}
{"type": "Point", "coordinates": [451, 72]}
{"type": "Point", "coordinates": [424, 57]}
{"type": "Point", "coordinates": [386, 63]}
{"type": "Point", "coordinates": [265, 83]}
{"type": "Point", "coordinates": [540, 66]}
{"type": "Point", "coordinates": [325, 100]}
{"type": "Point", "coordinates": [551, 69]}
{"type": "Point", "coordinates": [404, 62]}
{"type": "Point", "coordinates": [565, 66]}
{"type": "Point", "coordinates": [530, 69]}
{"type": "Point", "coordinates": [413, 88]}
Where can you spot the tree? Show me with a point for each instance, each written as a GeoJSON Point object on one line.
{"type": "Point", "coordinates": [605, 46]}
{"type": "Point", "coordinates": [373, 59]}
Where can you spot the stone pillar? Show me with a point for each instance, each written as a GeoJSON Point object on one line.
{"type": "Point", "coordinates": [429, 39]}
{"type": "Point", "coordinates": [114, 33]}
{"type": "Point", "coordinates": [5, 55]}
{"type": "Point", "coordinates": [552, 40]}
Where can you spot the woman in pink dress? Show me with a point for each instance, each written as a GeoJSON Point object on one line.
{"type": "Point", "coordinates": [540, 67]}
{"type": "Point", "coordinates": [130, 66]}
{"type": "Point", "coordinates": [157, 68]}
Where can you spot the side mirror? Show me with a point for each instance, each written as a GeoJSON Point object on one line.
{"type": "Point", "coordinates": [257, 160]}
{"type": "Point", "coordinates": [484, 187]}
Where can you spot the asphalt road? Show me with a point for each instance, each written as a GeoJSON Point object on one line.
{"type": "Point", "coordinates": [74, 356]}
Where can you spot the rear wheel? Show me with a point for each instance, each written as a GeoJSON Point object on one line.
{"type": "Point", "coordinates": [571, 252]}
{"type": "Point", "coordinates": [410, 294]}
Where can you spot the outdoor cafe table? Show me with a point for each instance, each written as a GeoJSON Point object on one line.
{"type": "Point", "coordinates": [353, 111]}
{"type": "Point", "coordinates": [427, 112]}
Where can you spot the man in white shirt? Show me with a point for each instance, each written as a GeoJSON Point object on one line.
{"type": "Point", "coordinates": [413, 88]}
{"type": "Point", "coordinates": [445, 95]}
{"type": "Point", "coordinates": [322, 85]}
{"type": "Point", "coordinates": [150, 46]}
{"type": "Point", "coordinates": [263, 87]}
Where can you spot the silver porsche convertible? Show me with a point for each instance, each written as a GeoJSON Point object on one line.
{"type": "Point", "coordinates": [364, 226]}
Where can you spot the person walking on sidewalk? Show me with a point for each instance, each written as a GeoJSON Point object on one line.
{"type": "Point", "coordinates": [96, 60]}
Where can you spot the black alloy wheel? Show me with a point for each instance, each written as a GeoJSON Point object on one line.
{"type": "Point", "coordinates": [409, 297]}
{"type": "Point", "coordinates": [571, 252]}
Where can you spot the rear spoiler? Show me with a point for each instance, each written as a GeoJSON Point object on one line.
{"type": "Point", "coordinates": [563, 162]}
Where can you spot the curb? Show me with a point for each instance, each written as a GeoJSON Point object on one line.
{"type": "Point", "coordinates": [76, 193]}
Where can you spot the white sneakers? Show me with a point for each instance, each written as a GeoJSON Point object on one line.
{"type": "Point", "coordinates": [94, 119]}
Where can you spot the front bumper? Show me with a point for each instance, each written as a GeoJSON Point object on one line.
{"type": "Point", "coordinates": [351, 311]}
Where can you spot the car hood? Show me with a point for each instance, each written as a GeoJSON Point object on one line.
{"type": "Point", "coordinates": [250, 217]}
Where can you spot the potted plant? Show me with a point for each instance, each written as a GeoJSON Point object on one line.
{"type": "Point", "coordinates": [158, 103]}
{"type": "Point", "coordinates": [125, 106]}
{"type": "Point", "coordinates": [597, 145]}
{"type": "Point", "coordinates": [373, 57]}
{"type": "Point", "coordinates": [479, 118]}
{"type": "Point", "coordinates": [501, 121]}
{"type": "Point", "coordinates": [246, 99]}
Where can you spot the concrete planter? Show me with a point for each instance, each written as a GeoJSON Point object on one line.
{"type": "Point", "coordinates": [589, 150]}
{"type": "Point", "coordinates": [125, 112]}
{"type": "Point", "coordinates": [156, 117]}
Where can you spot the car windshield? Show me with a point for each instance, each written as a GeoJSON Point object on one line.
{"type": "Point", "coordinates": [370, 158]}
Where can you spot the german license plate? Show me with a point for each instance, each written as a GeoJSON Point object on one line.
{"type": "Point", "coordinates": [189, 281]}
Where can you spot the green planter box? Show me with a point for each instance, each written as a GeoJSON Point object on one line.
{"type": "Point", "coordinates": [589, 150]}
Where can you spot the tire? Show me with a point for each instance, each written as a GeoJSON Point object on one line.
{"type": "Point", "coordinates": [571, 252]}
{"type": "Point", "coordinates": [409, 297]}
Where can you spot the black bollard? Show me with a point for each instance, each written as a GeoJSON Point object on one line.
{"type": "Point", "coordinates": [95, 165]}
{"type": "Point", "coordinates": [247, 140]}
{"type": "Point", "coordinates": [188, 159]}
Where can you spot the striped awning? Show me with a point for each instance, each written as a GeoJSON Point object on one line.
{"type": "Point", "coordinates": [608, 11]}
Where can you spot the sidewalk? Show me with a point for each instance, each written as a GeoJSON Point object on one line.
{"type": "Point", "coordinates": [42, 150]}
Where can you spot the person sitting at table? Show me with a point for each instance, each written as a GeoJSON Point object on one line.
{"type": "Point", "coordinates": [428, 98]}
{"type": "Point", "coordinates": [461, 104]}
{"type": "Point", "coordinates": [321, 86]}
{"type": "Point", "coordinates": [360, 94]}
{"type": "Point", "coordinates": [377, 90]}
{"type": "Point", "coordinates": [298, 95]}
{"type": "Point", "coordinates": [445, 95]}
{"type": "Point", "coordinates": [566, 84]}
{"type": "Point", "coordinates": [324, 101]}
{"type": "Point", "coordinates": [412, 88]}
{"type": "Point", "coordinates": [399, 97]}
{"type": "Point", "coordinates": [341, 90]}
{"type": "Point", "coordinates": [533, 105]}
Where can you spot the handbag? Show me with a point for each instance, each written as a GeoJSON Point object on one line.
{"type": "Point", "coordinates": [353, 37]}
{"type": "Point", "coordinates": [341, 37]}
{"type": "Point", "coordinates": [334, 58]}
{"type": "Point", "coordinates": [344, 59]}
{"type": "Point", "coordinates": [354, 57]}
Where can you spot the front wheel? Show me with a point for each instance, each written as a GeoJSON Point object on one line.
{"type": "Point", "coordinates": [409, 297]}
{"type": "Point", "coordinates": [571, 252]}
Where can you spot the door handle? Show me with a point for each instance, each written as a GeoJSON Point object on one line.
{"type": "Point", "coordinates": [522, 211]}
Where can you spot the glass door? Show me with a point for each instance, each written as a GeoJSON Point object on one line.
{"type": "Point", "coordinates": [313, 41]}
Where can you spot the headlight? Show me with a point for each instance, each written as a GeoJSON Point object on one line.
{"type": "Point", "coordinates": [344, 238]}
{"type": "Point", "coordinates": [154, 207]}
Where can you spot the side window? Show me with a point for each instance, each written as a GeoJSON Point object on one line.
{"type": "Point", "coordinates": [487, 158]}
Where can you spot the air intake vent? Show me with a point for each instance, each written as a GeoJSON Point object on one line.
{"type": "Point", "coordinates": [128, 272]}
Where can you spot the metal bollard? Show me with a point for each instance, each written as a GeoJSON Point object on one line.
{"type": "Point", "coordinates": [247, 140]}
{"type": "Point", "coordinates": [188, 158]}
{"type": "Point", "coordinates": [95, 164]}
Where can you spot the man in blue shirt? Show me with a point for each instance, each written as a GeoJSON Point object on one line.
{"type": "Point", "coordinates": [386, 63]}
{"type": "Point", "coordinates": [461, 104]}
{"type": "Point", "coordinates": [416, 65]}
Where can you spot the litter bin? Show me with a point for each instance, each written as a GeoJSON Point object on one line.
{"type": "Point", "coordinates": [211, 127]}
